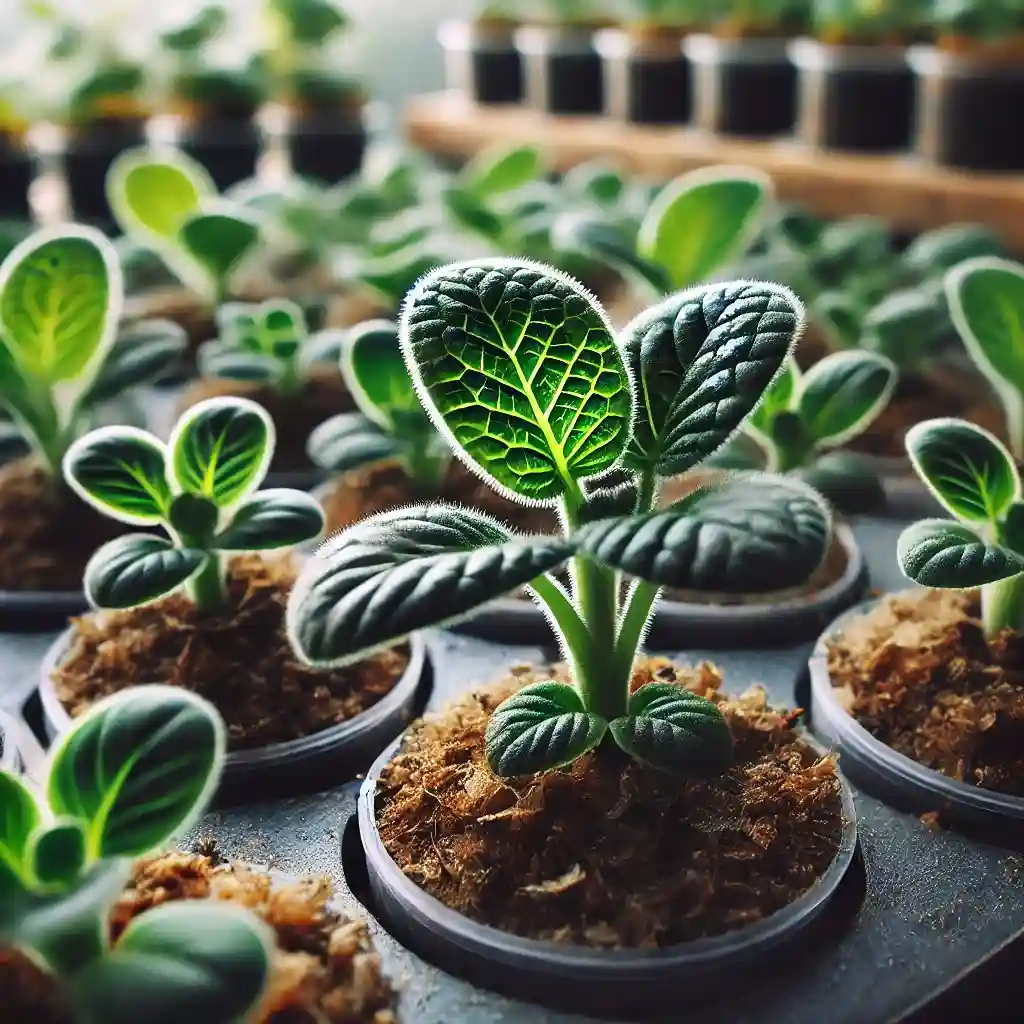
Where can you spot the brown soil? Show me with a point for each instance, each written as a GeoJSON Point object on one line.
{"type": "Point", "coordinates": [917, 674]}
{"type": "Point", "coordinates": [240, 660]}
{"type": "Point", "coordinates": [609, 853]}
{"type": "Point", "coordinates": [324, 967]}
{"type": "Point", "coordinates": [1008, 51]}
{"type": "Point", "coordinates": [47, 534]}
{"type": "Point", "coordinates": [385, 486]}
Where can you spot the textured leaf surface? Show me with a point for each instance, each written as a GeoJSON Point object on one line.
{"type": "Point", "coordinates": [674, 730]}
{"type": "Point", "coordinates": [753, 533]}
{"type": "Point", "coordinates": [135, 569]}
{"type": "Point", "coordinates": [949, 555]}
{"type": "Point", "coordinates": [137, 768]}
{"type": "Point", "coordinates": [701, 361]}
{"type": "Point", "coordinates": [401, 571]}
{"type": "Point", "coordinates": [348, 441]}
{"type": "Point", "coordinates": [275, 518]}
{"type": "Point", "coordinates": [19, 816]}
{"type": "Point", "coordinates": [521, 367]}
{"type": "Point", "coordinates": [543, 726]}
{"type": "Point", "coordinates": [141, 354]}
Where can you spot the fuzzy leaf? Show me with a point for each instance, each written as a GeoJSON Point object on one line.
{"type": "Point", "coordinates": [19, 817]}
{"type": "Point", "coordinates": [349, 441]}
{"type": "Point", "coordinates": [272, 519]}
{"type": "Point", "coordinates": [948, 555]}
{"type": "Point", "coordinates": [740, 452]}
{"type": "Point", "coordinates": [701, 361]}
{"type": "Point", "coordinates": [493, 172]}
{"type": "Point", "coordinates": [518, 364]}
{"type": "Point", "coordinates": [543, 726]}
{"type": "Point", "coordinates": [607, 502]}
{"type": "Point", "coordinates": [400, 571]}
{"type": "Point", "coordinates": [137, 768]}
{"type": "Point", "coordinates": [219, 242]}
{"type": "Point", "coordinates": [141, 354]}
{"type": "Point", "coordinates": [674, 730]}
{"type": "Point", "coordinates": [750, 534]}
{"type": "Point", "coordinates": [58, 853]}
{"type": "Point", "coordinates": [374, 370]}
{"type": "Point", "coordinates": [965, 467]}
{"type": "Point", "coordinates": [135, 569]}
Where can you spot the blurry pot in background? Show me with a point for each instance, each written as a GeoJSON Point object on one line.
{"type": "Point", "coordinates": [563, 71]}
{"type": "Point", "coordinates": [17, 171]}
{"type": "Point", "coordinates": [481, 60]}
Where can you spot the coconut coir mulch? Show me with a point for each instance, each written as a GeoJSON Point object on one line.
{"type": "Point", "coordinates": [608, 853]}
{"type": "Point", "coordinates": [239, 659]}
{"type": "Point", "coordinates": [324, 968]}
{"type": "Point", "coordinates": [917, 673]}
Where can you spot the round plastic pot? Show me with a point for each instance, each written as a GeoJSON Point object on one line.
{"type": "Point", "coordinates": [646, 79]}
{"type": "Point", "coordinates": [88, 154]}
{"type": "Point", "coordinates": [743, 87]}
{"type": "Point", "coordinates": [481, 62]}
{"type": "Point", "coordinates": [853, 97]}
{"type": "Point", "coordinates": [34, 611]}
{"type": "Point", "coordinates": [229, 150]}
{"type": "Point", "coordinates": [790, 620]}
{"type": "Point", "coordinates": [968, 110]}
{"type": "Point", "coordinates": [892, 776]}
{"type": "Point", "coordinates": [326, 147]}
{"type": "Point", "coordinates": [564, 73]}
{"type": "Point", "coordinates": [17, 172]}
{"type": "Point", "coordinates": [572, 977]}
{"type": "Point", "coordinates": [327, 758]}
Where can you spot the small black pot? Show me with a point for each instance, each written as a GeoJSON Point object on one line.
{"type": "Point", "coordinates": [326, 146]}
{"type": "Point", "coordinates": [564, 72]}
{"type": "Point", "coordinates": [968, 111]}
{"type": "Point", "coordinates": [17, 172]}
{"type": "Point", "coordinates": [37, 611]}
{"type": "Point", "coordinates": [646, 79]}
{"type": "Point", "coordinates": [853, 97]}
{"type": "Point", "coordinates": [481, 62]}
{"type": "Point", "coordinates": [88, 154]}
{"type": "Point", "coordinates": [743, 87]}
{"type": "Point", "coordinates": [229, 149]}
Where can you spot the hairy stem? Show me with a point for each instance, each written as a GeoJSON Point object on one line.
{"type": "Point", "coordinates": [1002, 606]}
{"type": "Point", "coordinates": [571, 628]}
{"type": "Point", "coordinates": [639, 606]}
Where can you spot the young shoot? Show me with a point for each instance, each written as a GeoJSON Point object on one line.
{"type": "Point", "coordinates": [519, 368]}
{"type": "Point", "coordinates": [128, 777]}
{"type": "Point", "coordinates": [868, 21]}
{"type": "Point", "coordinates": [61, 357]}
{"type": "Point", "coordinates": [975, 479]}
{"type": "Point", "coordinates": [390, 424]}
{"type": "Point", "coordinates": [201, 488]}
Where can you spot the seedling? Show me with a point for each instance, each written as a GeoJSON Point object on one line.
{"type": "Point", "coordinates": [390, 424]}
{"type": "Point", "coordinates": [867, 21]}
{"type": "Point", "coordinates": [764, 15]}
{"type": "Point", "coordinates": [994, 20]}
{"type": "Point", "coordinates": [975, 479]}
{"type": "Point", "coordinates": [518, 367]}
{"type": "Point", "coordinates": [128, 777]}
{"type": "Point", "coordinates": [201, 487]}
{"type": "Point", "coordinates": [60, 356]}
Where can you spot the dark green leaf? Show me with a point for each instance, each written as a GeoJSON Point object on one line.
{"type": "Point", "coordinates": [281, 327]}
{"type": "Point", "coordinates": [470, 213]}
{"type": "Point", "coordinates": [849, 481]}
{"type": "Point", "coordinates": [606, 502]}
{"type": "Point", "coordinates": [135, 569]}
{"type": "Point", "coordinates": [741, 452]}
{"type": "Point", "coordinates": [937, 251]}
{"type": "Point", "coordinates": [272, 519]}
{"type": "Point", "coordinates": [193, 517]}
{"type": "Point", "coordinates": [225, 363]}
{"type": "Point", "coordinates": [949, 555]}
{"type": "Point", "coordinates": [907, 326]}
{"type": "Point", "coordinates": [349, 441]}
{"type": "Point", "coordinates": [543, 726]}
{"type": "Point", "coordinates": [840, 318]}
{"type": "Point", "coordinates": [595, 182]}
{"type": "Point", "coordinates": [142, 353]}
{"type": "Point", "coordinates": [674, 730]}
{"type": "Point", "coordinates": [19, 817]}
{"type": "Point", "coordinates": [58, 853]}
{"type": "Point", "coordinates": [1011, 530]}
{"type": "Point", "coordinates": [219, 242]}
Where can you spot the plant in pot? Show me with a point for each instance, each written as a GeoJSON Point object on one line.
{"type": "Point", "coordinates": [856, 89]}
{"type": "Point", "coordinates": [519, 368]}
{"type": "Point", "coordinates": [744, 82]}
{"type": "Point", "coordinates": [482, 63]}
{"type": "Point", "coordinates": [922, 689]}
{"type": "Point", "coordinates": [62, 364]}
{"type": "Point", "coordinates": [971, 85]}
{"type": "Point", "coordinates": [203, 607]}
{"type": "Point", "coordinates": [17, 161]}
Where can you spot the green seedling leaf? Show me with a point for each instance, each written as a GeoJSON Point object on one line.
{"type": "Point", "coordinates": [122, 472]}
{"type": "Point", "coordinates": [375, 583]}
{"type": "Point", "coordinates": [272, 519]}
{"type": "Point", "coordinates": [58, 854]}
{"type": "Point", "coordinates": [752, 533]}
{"type": "Point", "coordinates": [136, 569]}
{"type": "Point", "coordinates": [141, 354]}
{"type": "Point", "coordinates": [907, 326]}
{"type": "Point", "coordinates": [674, 730]}
{"type": "Point", "coordinates": [840, 318]}
{"type": "Point", "coordinates": [840, 396]}
{"type": "Point", "coordinates": [848, 480]}
{"type": "Point", "coordinates": [470, 213]}
{"type": "Point", "coordinates": [221, 449]}
{"type": "Point", "coordinates": [702, 221]}
{"type": "Point", "coordinates": [323, 347]}
{"type": "Point", "coordinates": [741, 452]}
{"type": "Point", "coordinates": [595, 182]}
{"type": "Point", "coordinates": [517, 365]}
{"type": "Point", "coordinates": [219, 242]}
{"type": "Point", "coordinates": [951, 556]}
{"type": "Point", "coordinates": [935, 252]}
{"type": "Point", "coordinates": [192, 516]}
{"type": "Point", "coordinates": [496, 171]}
{"type": "Point", "coordinates": [966, 468]}
{"type": "Point", "coordinates": [19, 817]}
{"type": "Point", "coordinates": [543, 726]}
{"type": "Point", "coordinates": [377, 377]}
{"type": "Point", "coordinates": [780, 397]}
{"type": "Point", "coordinates": [181, 963]}
{"type": "Point", "coordinates": [137, 769]}
{"type": "Point", "coordinates": [225, 363]}
{"type": "Point", "coordinates": [701, 361]}
{"type": "Point", "coordinates": [349, 441]}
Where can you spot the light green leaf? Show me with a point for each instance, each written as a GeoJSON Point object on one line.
{"type": "Point", "coordinates": [517, 364]}
{"type": "Point", "coordinates": [674, 730]}
{"type": "Point", "coordinates": [374, 369]}
{"type": "Point", "coordinates": [142, 353]}
{"type": "Point", "coordinates": [702, 221]}
{"type": "Point", "coordinates": [375, 583]}
{"type": "Point", "coordinates": [219, 242]}
{"type": "Point", "coordinates": [494, 171]}
{"type": "Point", "coordinates": [122, 472]}
{"type": "Point", "coordinates": [543, 726]}
{"type": "Point", "coordinates": [272, 519]}
{"type": "Point", "coordinates": [138, 768]}
{"type": "Point", "coordinates": [19, 817]}
{"type": "Point", "coordinates": [965, 467]}
{"type": "Point", "coordinates": [948, 555]}
{"type": "Point", "coordinates": [57, 853]}
{"type": "Point", "coordinates": [135, 569]}
{"type": "Point", "coordinates": [221, 448]}
{"type": "Point", "coordinates": [470, 213]}
{"type": "Point", "coordinates": [780, 397]}
{"type": "Point", "coordinates": [349, 441]}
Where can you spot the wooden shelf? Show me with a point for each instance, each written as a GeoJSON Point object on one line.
{"type": "Point", "coordinates": [910, 195]}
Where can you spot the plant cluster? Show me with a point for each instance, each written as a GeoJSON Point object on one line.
{"type": "Point", "coordinates": [763, 16]}
{"type": "Point", "coordinates": [519, 369]}
{"type": "Point", "coordinates": [671, 13]}
{"type": "Point", "coordinates": [994, 20]}
{"type": "Point", "coordinates": [869, 21]}
{"type": "Point", "coordinates": [201, 488]}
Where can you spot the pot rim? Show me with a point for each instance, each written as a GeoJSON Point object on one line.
{"type": "Point", "coordinates": [465, 36]}
{"type": "Point", "coordinates": [815, 56]}
{"type": "Point", "coordinates": [934, 62]}
{"type": "Point", "coordinates": [555, 40]}
{"type": "Point", "coordinates": [704, 48]}
{"type": "Point", "coordinates": [619, 44]}
{"type": "Point", "coordinates": [856, 742]}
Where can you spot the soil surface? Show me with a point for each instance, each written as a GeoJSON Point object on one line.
{"type": "Point", "coordinates": [609, 853]}
{"type": "Point", "coordinates": [47, 533]}
{"type": "Point", "coordinates": [917, 673]}
{"type": "Point", "coordinates": [324, 967]}
{"type": "Point", "coordinates": [239, 659]}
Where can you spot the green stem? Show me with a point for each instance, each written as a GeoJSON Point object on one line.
{"type": "Point", "coordinates": [646, 493]}
{"type": "Point", "coordinates": [78, 942]}
{"type": "Point", "coordinates": [207, 589]}
{"type": "Point", "coordinates": [1002, 606]}
{"type": "Point", "coordinates": [426, 468]}
{"type": "Point", "coordinates": [290, 380]}
{"type": "Point", "coordinates": [634, 622]}
{"type": "Point", "coordinates": [571, 627]}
